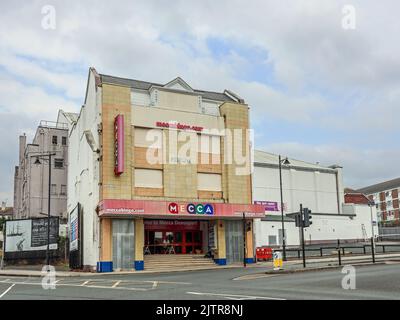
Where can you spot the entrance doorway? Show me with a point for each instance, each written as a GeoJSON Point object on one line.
{"type": "Point", "coordinates": [173, 237]}
{"type": "Point", "coordinates": [234, 241]}
{"type": "Point", "coordinates": [123, 243]}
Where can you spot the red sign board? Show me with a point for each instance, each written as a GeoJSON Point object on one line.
{"type": "Point", "coordinates": [111, 207]}
{"type": "Point", "coordinates": [119, 144]}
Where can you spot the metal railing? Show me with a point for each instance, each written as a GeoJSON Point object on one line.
{"type": "Point", "coordinates": [53, 124]}
{"type": "Point", "coordinates": [372, 248]}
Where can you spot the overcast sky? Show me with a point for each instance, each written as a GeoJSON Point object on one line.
{"type": "Point", "coordinates": [317, 91]}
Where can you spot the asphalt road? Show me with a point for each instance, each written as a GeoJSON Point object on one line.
{"type": "Point", "coordinates": [372, 282]}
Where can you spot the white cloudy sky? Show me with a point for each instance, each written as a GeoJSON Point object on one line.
{"type": "Point", "coordinates": [317, 92]}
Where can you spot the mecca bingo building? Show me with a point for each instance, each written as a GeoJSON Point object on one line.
{"type": "Point", "coordinates": [159, 170]}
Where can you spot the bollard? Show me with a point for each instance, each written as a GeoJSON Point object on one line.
{"type": "Point", "coordinates": [320, 250]}
{"type": "Point", "coordinates": [384, 250]}
{"type": "Point", "coordinates": [364, 249]}
{"type": "Point", "coordinates": [343, 251]}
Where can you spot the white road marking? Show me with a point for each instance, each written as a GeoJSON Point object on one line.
{"type": "Point", "coordinates": [79, 285]}
{"type": "Point", "coordinates": [85, 283]}
{"type": "Point", "coordinates": [232, 296]}
{"type": "Point", "coordinates": [114, 284]}
{"type": "Point", "coordinates": [166, 282]}
{"type": "Point", "coordinates": [8, 289]}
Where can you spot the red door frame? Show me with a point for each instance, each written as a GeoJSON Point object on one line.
{"type": "Point", "coordinates": [179, 226]}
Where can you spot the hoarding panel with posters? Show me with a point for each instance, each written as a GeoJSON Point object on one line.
{"type": "Point", "coordinates": [29, 235]}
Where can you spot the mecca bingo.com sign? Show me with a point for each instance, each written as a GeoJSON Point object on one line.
{"type": "Point", "coordinates": [191, 208]}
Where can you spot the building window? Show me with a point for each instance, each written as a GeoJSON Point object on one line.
{"type": "Point", "coordinates": [59, 163]}
{"type": "Point", "coordinates": [54, 140]}
{"type": "Point", "coordinates": [63, 190]}
{"type": "Point", "coordinates": [64, 141]}
{"type": "Point", "coordinates": [53, 189]}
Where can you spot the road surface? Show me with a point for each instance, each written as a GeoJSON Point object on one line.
{"type": "Point", "coordinates": [372, 282]}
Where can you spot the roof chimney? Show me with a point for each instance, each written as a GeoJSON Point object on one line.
{"type": "Point", "coordinates": [22, 146]}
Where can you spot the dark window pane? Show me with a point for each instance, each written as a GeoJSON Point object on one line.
{"type": "Point", "coordinates": [64, 141]}
{"type": "Point", "coordinates": [189, 249]}
{"type": "Point", "coordinates": [54, 139]}
{"type": "Point", "coordinates": [178, 249]}
{"type": "Point", "coordinates": [189, 237]}
{"type": "Point", "coordinates": [58, 163]}
{"type": "Point", "coordinates": [178, 237]}
{"type": "Point", "coordinates": [197, 237]}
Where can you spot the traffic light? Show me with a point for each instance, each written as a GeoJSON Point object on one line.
{"type": "Point", "coordinates": [307, 217]}
{"type": "Point", "coordinates": [248, 226]}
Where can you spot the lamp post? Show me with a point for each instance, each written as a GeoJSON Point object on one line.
{"type": "Point", "coordinates": [285, 162]}
{"type": "Point", "coordinates": [370, 204]}
{"type": "Point", "coordinates": [49, 155]}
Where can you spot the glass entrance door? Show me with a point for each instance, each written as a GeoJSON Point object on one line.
{"type": "Point", "coordinates": [123, 245]}
{"type": "Point", "coordinates": [234, 241]}
{"type": "Point", "coordinates": [177, 241]}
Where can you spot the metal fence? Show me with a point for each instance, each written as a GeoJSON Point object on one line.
{"type": "Point", "coordinates": [389, 233]}
{"type": "Point", "coordinates": [342, 248]}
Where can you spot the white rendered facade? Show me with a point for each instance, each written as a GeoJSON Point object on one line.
{"type": "Point", "coordinates": [315, 187]}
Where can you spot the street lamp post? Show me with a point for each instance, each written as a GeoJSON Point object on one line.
{"type": "Point", "coordinates": [285, 162]}
{"type": "Point", "coordinates": [48, 204]}
{"type": "Point", "coordinates": [370, 204]}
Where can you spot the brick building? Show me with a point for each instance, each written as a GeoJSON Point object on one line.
{"type": "Point", "coordinates": [386, 198]}
{"type": "Point", "coordinates": [31, 187]}
{"type": "Point", "coordinates": [138, 190]}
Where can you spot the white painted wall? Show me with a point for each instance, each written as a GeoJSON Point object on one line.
{"type": "Point", "coordinates": [315, 190]}
{"type": "Point", "coordinates": [264, 229]}
{"type": "Point", "coordinates": [324, 227]}
{"type": "Point", "coordinates": [83, 173]}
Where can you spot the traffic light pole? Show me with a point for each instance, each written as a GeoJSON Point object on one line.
{"type": "Point", "coordinates": [244, 240]}
{"type": "Point", "coordinates": [302, 236]}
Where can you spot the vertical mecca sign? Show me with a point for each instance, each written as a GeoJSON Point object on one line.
{"type": "Point", "coordinates": [119, 145]}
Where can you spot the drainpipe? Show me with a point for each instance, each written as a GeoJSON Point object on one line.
{"type": "Point", "coordinates": [337, 191]}
{"type": "Point", "coordinates": [336, 168]}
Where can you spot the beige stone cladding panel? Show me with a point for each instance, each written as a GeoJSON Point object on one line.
{"type": "Point", "coordinates": [209, 163]}
{"type": "Point", "coordinates": [141, 157]}
{"type": "Point", "coordinates": [209, 195]}
{"type": "Point", "coordinates": [236, 188]}
{"type": "Point", "coordinates": [139, 239]}
{"type": "Point", "coordinates": [116, 100]}
{"type": "Point", "coordinates": [106, 239]}
{"type": "Point", "coordinates": [149, 192]}
{"type": "Point", "coordinates": [178, 101]}
{"type": "Point", "coordinates": [180, 179]}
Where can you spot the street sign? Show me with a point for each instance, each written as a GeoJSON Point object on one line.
{"type": "Point", "coordinates": [277, 260]}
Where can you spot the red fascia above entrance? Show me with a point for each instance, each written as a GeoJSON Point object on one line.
{"type": "Point", "coordinates": [148, 208]}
